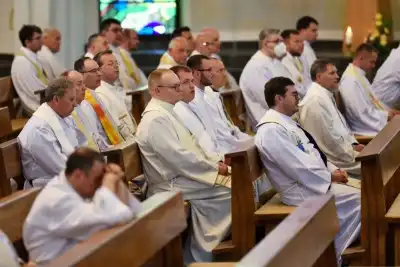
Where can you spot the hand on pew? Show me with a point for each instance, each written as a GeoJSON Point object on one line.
{"type": "Point", "coordinates": [358, 147]}
{"type": "Point", "coordinates": [339, 176]}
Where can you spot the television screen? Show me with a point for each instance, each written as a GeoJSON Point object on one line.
{"type": "Point", "coordinates": [147, 17]}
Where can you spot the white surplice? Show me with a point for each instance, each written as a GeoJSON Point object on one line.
{"type": "Point", "coordinates": [194, 125]}
{"type": "Point", "coordinates": [113, 98]}
{"type": "Point", "coordinates": [362, 115]}
{"type": "Point", "coordinates": [257, 72]}
{"type": "Point", "coordinates": [25, 79]}
{"type": "Point", "coordinates": [89, 55]}
{"type": "Point", "coordinates": [386, 85]}
{"type": "Point", "coordinates": [228, 134]}
{"type": "Point", "coordinates": [60, 218]}
{"type": "Point", "coordinates": [172, 161]}
{"type": "Point", "coordinates": [50, 63]}
{"type": "Point", "coordinates": [320, 116]}
{"type": "Point", "coordinates": [299, 72]}
{"type": "Point", "coordinates": [297, 172]}
{"type": "Point", "coordinates": [44, 150]}
{"type": "Point", "coordinates": [8, 255]}
{"type": "Point", "coordinates": [308, 55]}
{"type": "Point", "coordinates": [166, 61]}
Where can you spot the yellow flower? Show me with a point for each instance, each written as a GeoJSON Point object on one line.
{"type": "Point", "coordinates": [372, 38]}
{"type": "Point", "coordinates": [378, 16]}
{"type": "Point", "coordinates": [378, 23]}
{"type": "Point", "coordinates": [375, 33]}
{"type": "Point", "coordinates": [383, 40]}
{"type": "Point", "coordinates": [386, 30]}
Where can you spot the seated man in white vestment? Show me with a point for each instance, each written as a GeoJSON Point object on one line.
{"type": "Point", "coordinates": [319, 115]}
{"type": "Point", "coordinates": [294, 63]}
{"type": "Point", "coordinates": [27, 73]}
{"type": "Point", "coordinates": [130, 75]}
{"type": "Point", "coordinates": [46, 55]}
{"type": "Point", "coordinates": [172, 161]}
{"type": "Point", "coordinates": [191, 119]}
{"type": "Point", "coordinates": [186, 33]}
{"type": "Point", "coordinates": [49, 137]}
{"type": "Point", "coordinates": [386, 84]}
{"type": "Point", "coordinates": [86, 197]}
{"type": "Point", "coordinates": [92, 79]}
{"type": "Point", "coordinates": [176, 54]}
{"type": "Point", "coordinates": [113, 96]}
{"type": "Point", "coordinates": [88, 125]}
{"type": "Point", "coordinates": [308, 29]}
{"type": "Point", "coordinates": [263, 65]}
{"type": "Point", "coordinates": [296, 167]}
{"type": "Point", "coordinates": [96, 43]}
{"type": "Point", "coordinates": [364, 112]}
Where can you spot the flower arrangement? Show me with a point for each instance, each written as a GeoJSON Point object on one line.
{"type": "Point", "coordinates": [381, 35]}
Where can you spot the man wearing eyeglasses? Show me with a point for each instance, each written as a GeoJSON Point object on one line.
{"type": "Point", "coordinates": [263, 66]}
{"type": "Point", "coordinates": [27, 72]}
{"type": "Point", "coordinates": [176, 55]}
{"type": "Point", "coordinates": [174, 162]}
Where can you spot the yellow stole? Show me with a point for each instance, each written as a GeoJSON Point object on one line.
{"type": "Point", "coordinates": [91, 143]}
{"type": "Point", "coordinates": [39, 71]}
{"type": "Point", "coordinates": [112, 134]}
{"type": "Point", "coordinates": [167, 60]}
{"type": "Point", "coordinates": [131, 69]}
{"type": "Point", "coordinates": [358, 77]}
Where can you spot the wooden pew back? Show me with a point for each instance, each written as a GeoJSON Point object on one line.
{"type": "Point", "coordinates": [234, 104]}
{"type": "Point", "coordinates": [13, 211]}
{"type": "Point", "coordinates": [7, 95]}
{"type": "Point", "coordinates": [304, 238]}
{"type": "Point", "coordinates": [156, 230]}
{"type": "Point", "coordinates": [10, 166]}
{"type": "Point", "coordinates": [5, 123]}
{"type": "Point", "coordinates": [380, 186]}
{"type": "Point", "coordinates": [140, 98]}
{"type": "Point", "coordinates": [42, 95]}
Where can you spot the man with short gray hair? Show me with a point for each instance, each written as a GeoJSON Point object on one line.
{"type": "Point", "coordinates": [320, 116]}
{"type": "Point", "coordinates": [263, 66]}
{"type": "Point", "coordinates": [49, 137]}
{"type": "Point", "coordinates": [176, 55]}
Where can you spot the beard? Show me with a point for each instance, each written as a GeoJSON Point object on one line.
{"type": "Point", "coordinates": [295, 54]}
{"type": "Point", "coordinates": [205, 81]}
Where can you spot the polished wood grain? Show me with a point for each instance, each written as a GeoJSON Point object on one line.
{"type": "Point", "coordinates": [140, 98]}
{"type": "Point", "coordinates": [10, 166]}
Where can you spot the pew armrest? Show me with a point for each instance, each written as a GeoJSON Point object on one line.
{"type": "Point", "coordinates": [136, 91]}
{"type": "Point", "coordinates": [213, 264]}
{"type": "Point", "coordinates": [273, 210]}
{"type": "Point", "coordinates": [363, 139]}
{"type": "Point", "coordinates": [393, 214]}
{"type": "Point", "coordinates": [38, 92]}
{"type": "Point", "coordinates": [230, 92]}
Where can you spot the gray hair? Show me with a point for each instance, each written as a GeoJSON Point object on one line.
{"type": "Point", "coordinates": [264, 34]}
{"type": "Point", "coordinates": [57, 87]}
{"type": "Point", "coordinates": [319, 66]}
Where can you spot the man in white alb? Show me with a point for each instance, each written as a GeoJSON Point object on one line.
{"type": "Point", "coordinates": [176, 55]}
{"type": "Point", "coordinates": [27, 73]}
{"type": "Point", "coordinates": [365, 113]}
{"type": "Point", "coordinates": [48, 138]}
{"type": "Point", "coordinates": [263, 65]}
{"type": "Point", "coordinates": [319, 115]}
{"type": "Point", "coordinates": [87, 197]}
{"type": "Point", "coordinates": [96, 44]}
{"type": "Point", "coordinates": [308, 29]}
{"type": "Point", "coordinates": [172, 161]}
{"type": "Point", "coordinates": [386, 85]}
{"type": "Point", "coordinates": [46, 55]}
{"type": "Point", "coordinates": [113, 96]}
{"type": "Point", "coordinates": [294, 63]}
{"type": "Point", "coordinates": [186, 33]}
{"type": "Point", "coordinates": [296, 166]}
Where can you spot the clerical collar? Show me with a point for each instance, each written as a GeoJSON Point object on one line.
{"type": "Point", "coordinates": [358, 69]}
{"type": "Point", "coordinates": [323, 89]}
{"type": "Point", "coordinates": [106, 84]}
{"type": "Point", "coordinates": [29, 53]}
{"type": "Point", "coordinates": [285, 117]}
{"type": "Point", "coordinates": [46, 49]}
{"type": "Point", "coordinates": [168, 106]}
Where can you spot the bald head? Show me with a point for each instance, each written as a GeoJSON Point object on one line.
{"type": "Point", "coordinates": [215, 39]}
{"type": "Point", "coordinates": [77, 79]}
{"type": "Point", "coordinates": [204, 44]}
{"type": "Point", "coordinates": [178, 49]}
{"type": "Point", "coordinates": [52, 39]}
{"type": "Point", "coordinates": [164, 85]}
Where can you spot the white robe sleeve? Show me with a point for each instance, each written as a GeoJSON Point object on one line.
{"type": "Point", "coordinates": [78, 220]}
{"type": "Point", "coordinates": [305, 169]}
{"type": "Point", "coordinates": [363, 117]}
{"type": "Point", "coordinates": [321, 126]}
{"type": "Point", "coordinates": [186, 163]}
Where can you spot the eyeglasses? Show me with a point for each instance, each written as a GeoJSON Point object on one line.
{"type": "Point", "coordinates": [175, 86]}
{"type": "Point", "coordinates": [116, 30]}
{"type": "Point", "coordinates": [91, 71]}
{"type": "Point", "coordinates": [209, 69]}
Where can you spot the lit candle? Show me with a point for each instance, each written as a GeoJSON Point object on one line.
{"type": "Point", "coordinates": [348, 36]}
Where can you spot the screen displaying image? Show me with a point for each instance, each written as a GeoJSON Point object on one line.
{"type": "Point", "coordinates": [147, 17]}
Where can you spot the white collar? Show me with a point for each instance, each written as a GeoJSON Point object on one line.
{"type": "Point", "coordinates": [323, 90]}
{"type": "Point", "coordinates": [358, 70]}
{"type": "Point", "coordinates": [28, 53]}
{"type": "Point", "coordinates": [46, 50]}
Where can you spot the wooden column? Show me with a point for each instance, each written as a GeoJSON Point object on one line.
{"type": "Point", "coordinates": [360, 16]}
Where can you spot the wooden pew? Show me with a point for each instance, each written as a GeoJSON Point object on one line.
{"type": "Point", "coordinates": [140, 98]}
{"type": "Point", "coordinates": [7, 95]}
{"type": "Point", "coordinates": [305, 238]}
{"type": "Point", "coordinates": [42, 95]}
{"type": "Point", "coordinates": [153, 237]}
{"type": "Point", "coordinates": [230, 98]}
{"type": "Point", "coordinates": [246, 214]}
{"type": "Point", "coordinates": [10, 128]}
{"type": "Point", "coordinates": [10, 166]}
